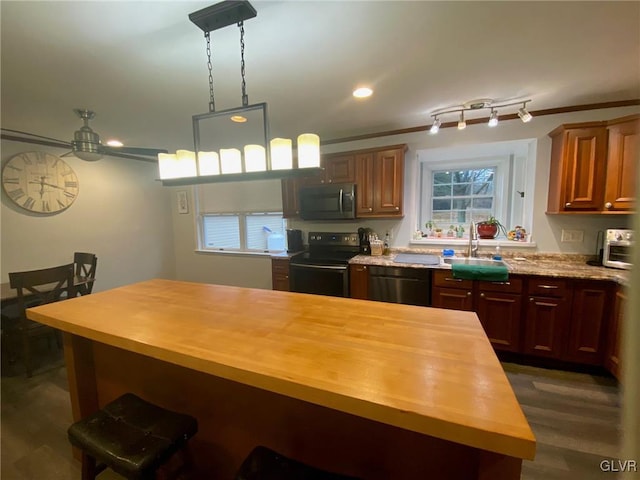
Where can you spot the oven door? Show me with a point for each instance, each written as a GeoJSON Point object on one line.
{"type": "Point", "coordinates": [330, 280]}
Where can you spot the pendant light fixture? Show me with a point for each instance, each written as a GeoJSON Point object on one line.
{"type": "Point", "coordinates": [234, 144]}
{"type": "Point", "coordinates": [477, 105]}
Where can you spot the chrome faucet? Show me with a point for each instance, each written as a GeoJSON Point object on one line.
{"type": "Point", "coordinates": [472, 251]}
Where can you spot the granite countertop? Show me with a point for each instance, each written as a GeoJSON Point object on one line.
{"type": "Point", "coordinates": [548, 265]}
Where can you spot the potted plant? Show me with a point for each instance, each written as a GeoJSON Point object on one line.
{"type": "Point", "coordinates": [459, 231]}
{"type": "Point", "coordinates": [489, 228]}
{"type": "Point", "coordinates": [429, 226]}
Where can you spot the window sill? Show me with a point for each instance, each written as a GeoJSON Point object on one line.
{"type": "Point", "coordinates": [240, 253]}
{"type": "Point", "coordinates": [444, 242]}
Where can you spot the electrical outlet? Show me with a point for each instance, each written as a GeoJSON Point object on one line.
{"type": "Point", "coordinates": [572, 236]}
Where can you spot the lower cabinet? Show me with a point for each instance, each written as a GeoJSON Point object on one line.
{"type": "Point", "coordinates": [499, 308]}
{"type": "Point", "coordinates": [451, 293]}
{"type": "Point", "coordinates": [359, 281]}
{"type": "Point", "coordinates": [280, 274]}
{"type": "Point", "coordinates": [613, 337]}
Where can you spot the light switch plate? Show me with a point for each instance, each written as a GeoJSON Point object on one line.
{"type": "Point", "coordinates": [572, 236]}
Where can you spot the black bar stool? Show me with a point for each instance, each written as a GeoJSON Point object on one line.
{"type": "Point", "coordinates": [265, 464]}
{"type": "Point", "coordinates": [130, 436]}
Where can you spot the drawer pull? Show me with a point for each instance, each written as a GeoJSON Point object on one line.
{"type": "Point", "coordinates": [548, 287]}
{"type": "Point", "coordinates": [482, 295]}
{"type": "Point", "coordinates": [468, 294]}
{"type": "Point", "coordinates": [449, 279]}
{"type": "Point", "coordinates": [501, 283]}
{"type": "Point", "coordinates": [531, 299]}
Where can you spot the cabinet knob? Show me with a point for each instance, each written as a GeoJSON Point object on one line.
{"type": "Point", "coordinates": [468, 294]}
{"type": "Point", "coordinates": [397, 208]}
{"type": "Point", "coordinates": [608, 205]}
{"type": "Point", "coordinates": [568, 204]}
{"type": "Point", "coordinates": [370, 209]}
{"type": "Point", "coordinates": [531, 299]}
{"type": "Point", "coordinates": [330, 180]}
{"type": "Point", "coordinates": [482, 295]}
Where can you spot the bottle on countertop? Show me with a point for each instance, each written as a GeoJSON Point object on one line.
{"type": "Point", "coordinates": [497, 255]}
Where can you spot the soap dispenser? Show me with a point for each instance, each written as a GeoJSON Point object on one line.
{"type": "Point", "coordinates": [497, 255]}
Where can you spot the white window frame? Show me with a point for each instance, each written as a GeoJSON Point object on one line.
{"type": "Point", "coordinates": [242, 228]}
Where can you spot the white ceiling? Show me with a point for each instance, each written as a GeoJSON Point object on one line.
{"type": "Point", "coordinates": [142, 65]}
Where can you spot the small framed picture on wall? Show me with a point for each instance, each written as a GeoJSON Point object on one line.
{"type": "Point", "coordinates": [183, 202]}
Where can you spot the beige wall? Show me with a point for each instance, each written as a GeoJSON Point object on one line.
{"type": "Point", "coordinates": [121, 214]}
{"type": "Point", "coordinates": [255, 271]}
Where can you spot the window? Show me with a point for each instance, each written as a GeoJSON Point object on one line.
{"type": "Point", "coordinates": [460, 185]}
{"type": "Point", "coordinates": [252, 232]}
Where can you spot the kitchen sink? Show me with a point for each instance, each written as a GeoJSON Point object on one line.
{"type": "Point", "coordinates": [474, 261]}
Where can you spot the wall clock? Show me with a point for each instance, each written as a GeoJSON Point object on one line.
{"type": "Point", "coordinates": [40, 182]}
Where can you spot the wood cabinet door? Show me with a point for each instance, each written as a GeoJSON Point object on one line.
{"type": "Point", "coordinates": [585, 341]}
{"type": "Point", "coordinates": [452, 298]}
{"type": "Point", "coordinates": [359, 281]}
{"type": "Point", "coordinates": [388, 182]}
{"type": "Point", "coordinates": [622, 164]}
{"type": "Point", "coordinates": [545, 326]}
{"type": "Point", "coordinates": [500, 315]}
{"type": "Point", "coordinates": [585, 168]}
{"type": "Point", "coordinates": [364, 181]}
{"type": "Point", "coordinates": [280, 274]}
{"type": "Point", "coordinates": [612, 350]}
{"type": "Point", "coordinates": [290, 208]}
{"type": "Point", "coordinates": [340, 169]}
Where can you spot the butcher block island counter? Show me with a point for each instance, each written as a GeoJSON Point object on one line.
{"type": "Point", "coordinates": [371, 389]}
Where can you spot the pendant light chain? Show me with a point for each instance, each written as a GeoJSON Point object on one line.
{"type": "Point", "coordinates": [245, 98]}
{"type": "Point", "coordinates": [212, 102]}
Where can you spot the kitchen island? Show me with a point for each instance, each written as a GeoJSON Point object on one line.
{"type": "Point", "coordinates": [376, 390]}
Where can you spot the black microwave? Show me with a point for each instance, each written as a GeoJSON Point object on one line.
{"type": "Point", "coordinates": [336, 201]}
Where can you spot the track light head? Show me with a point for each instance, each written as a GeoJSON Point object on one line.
{"type": "Point", "coordinates": [493, 118]}
{"type": "Point", "coordinates": [524, 115]}
{"type": "Point", "coordinates": [461, 123]}
{"type": "Point", "coordinates": [436, 126]}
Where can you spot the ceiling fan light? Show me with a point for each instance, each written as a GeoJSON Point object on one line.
{"type": "Point", "coordinates": [524, 115]}
{"type": "Point", "coordinates": [493, 118]}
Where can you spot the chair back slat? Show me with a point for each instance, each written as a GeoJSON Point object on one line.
{"type": "Point", "coordinates": [42, 286]}
{"type": "Point", "coordinates": [85, 266]}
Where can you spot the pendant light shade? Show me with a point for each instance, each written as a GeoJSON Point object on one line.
{"type": "Point", "coordinates": [230, 160]}
{"type": "Point", "coordinates": [168, 165]}
{"type": "Point", "coordinates": [255, 158]}
{"type": "Point", "coordinates": [308, 150]}
{"type": "Point", "coordinates": [281, 154]}
{"type": "Point", "coordinates": [186, 163]}
{"type": "Point", "coordinates": [208, 163]}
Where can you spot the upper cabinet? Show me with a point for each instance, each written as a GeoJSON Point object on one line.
{"type": "Point", "coordinates": [378, 174]}
{"type": "Point", "coordinates": [593, 167]}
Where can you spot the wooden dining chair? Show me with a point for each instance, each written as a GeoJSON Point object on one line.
{"type": "Point", "coordinates": [35, 287]}
{"type": "Point", "coordinates": [85, 265]}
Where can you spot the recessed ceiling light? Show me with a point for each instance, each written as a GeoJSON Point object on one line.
{"type": "Point", "coordinates": [362, 92]}
{"type": "Point", "coordinates": [114, 143]}
{"type": "Point", "coordinates": [238, 119]}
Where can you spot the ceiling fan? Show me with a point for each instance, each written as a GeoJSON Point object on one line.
{"type": "Point", "coordinates": [86, 143]}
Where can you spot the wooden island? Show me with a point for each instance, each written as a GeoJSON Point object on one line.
{"type": "Point", "coordinates": [371, 389]}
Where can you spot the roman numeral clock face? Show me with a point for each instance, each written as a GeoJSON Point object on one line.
{"type": "Point", "coordinates": [39, 182]}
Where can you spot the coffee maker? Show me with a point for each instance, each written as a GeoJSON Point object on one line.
{"type": "Point", "coordinates": [294, 241]}
{"type": "Point", "coordinates": [363, 235]}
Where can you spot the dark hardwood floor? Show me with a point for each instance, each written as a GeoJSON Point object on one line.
{"type": "Point", "coordinates": [575, 417]}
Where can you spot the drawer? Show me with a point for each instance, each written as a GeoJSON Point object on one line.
{"type": "Point", "coordinates": [513, 285]}
{"type": "Point", "coordinates": [280, 267]}
{"type": "Point", "coordinates": [547, 287]}
{"type": "Point", "coordinates": [444, 278]}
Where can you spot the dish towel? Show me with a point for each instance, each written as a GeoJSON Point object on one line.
{"type": "Point", "coordinates": [491, 273]}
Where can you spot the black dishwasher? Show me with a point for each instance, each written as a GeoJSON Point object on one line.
{"type": "Point", "coordinates": [411, 286]}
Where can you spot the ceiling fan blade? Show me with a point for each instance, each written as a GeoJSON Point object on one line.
{"type": "Point", "coordinates": [27, 137]}
{"type": "Point", "coordinates": [113, 152]}
{"type": "Point", "coordinates": [151, 152]}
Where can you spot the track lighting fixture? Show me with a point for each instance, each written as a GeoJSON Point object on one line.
{"type": "Point", "coordinates": [524, 115]}
{"type": "Point", "coordinates": [493, 118]}
{"type": "Point", "coordinates": [461, 123]}
{"type": "Point", "coordinates": [436, 125]}
{"type": "Point", "coordinates": [481, 104]}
